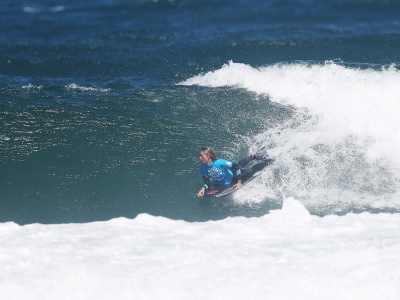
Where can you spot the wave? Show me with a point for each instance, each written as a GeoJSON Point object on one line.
{"type": "Point", "coordinates": [340, 151]}
{"type": "Point", "coordinates": [347, 101]}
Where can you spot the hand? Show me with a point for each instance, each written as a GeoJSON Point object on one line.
{"type": "Point", "coordinates": [238, 185]}
{"type": "Point", "coordinates": [201, 192]}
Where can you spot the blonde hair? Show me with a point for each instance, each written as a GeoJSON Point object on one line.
{"type": "Point", "coordinates": [209, 151]}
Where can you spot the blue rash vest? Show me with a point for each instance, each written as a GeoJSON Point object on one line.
{"type": "Point", "coordinates": [218, 172]}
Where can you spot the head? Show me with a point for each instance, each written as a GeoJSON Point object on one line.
{"type": "Point", "coordinates": [207, 155]}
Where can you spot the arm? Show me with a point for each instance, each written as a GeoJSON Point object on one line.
{"type": "Point", "coordinates": [236, 170]}
{"type": "Point", "coordinates": [205, 187]}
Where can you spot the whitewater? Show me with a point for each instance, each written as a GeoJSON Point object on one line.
{"type": "Point", "coordinates": [287, 254]}
{"type": "Point", "coordinates": [346, 100]}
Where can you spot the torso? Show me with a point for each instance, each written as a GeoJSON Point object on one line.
{"type": "Point", "coordinates": [218, 171]}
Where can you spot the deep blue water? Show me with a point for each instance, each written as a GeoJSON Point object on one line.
{"type": "Point", "coordinates": [94, 122]}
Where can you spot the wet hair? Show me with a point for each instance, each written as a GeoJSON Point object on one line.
{"type": "Point", "coordinates": [209, 151]}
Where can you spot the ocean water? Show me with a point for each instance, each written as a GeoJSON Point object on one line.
{"type": "Point", "coordinates": [104, 106]}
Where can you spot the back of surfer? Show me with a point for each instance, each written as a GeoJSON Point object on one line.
{"type": "Point", "coordinates": [222, 172]}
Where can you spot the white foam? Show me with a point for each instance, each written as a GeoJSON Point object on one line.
{"type": "Point", "coordinates": [288, 254]}
{"type": "Point", "coordinates": [56, 9]}
{"type": "Point", "coordinates": [30, 86]}
{"type": "Point", "coordinates": [31, 9]}
{"type": "Point", "coordinates": [36, 10]}
{"type": "Point", "coordinates": [74, 86]}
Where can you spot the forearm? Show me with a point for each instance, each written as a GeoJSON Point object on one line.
{"type": "Point", "coordinates": [206, 184]}
{"type": "Point", "coordinates": [237, 172]}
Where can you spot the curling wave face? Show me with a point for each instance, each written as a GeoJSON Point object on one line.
{"type": "Point", "coordinates": [339, 151]}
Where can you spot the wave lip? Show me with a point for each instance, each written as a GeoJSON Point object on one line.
{"type": "Point", "coordinates": [346, 100]}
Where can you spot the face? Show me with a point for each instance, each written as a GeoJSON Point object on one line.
{"type": "Point", "coordinates": [205, 159]}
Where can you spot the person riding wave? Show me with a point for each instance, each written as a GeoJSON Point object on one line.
{"type": "Point", "coordinates": [221, 172]}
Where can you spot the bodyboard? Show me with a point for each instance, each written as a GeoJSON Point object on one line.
{"type": "Point", "coordinates": [227, 190]}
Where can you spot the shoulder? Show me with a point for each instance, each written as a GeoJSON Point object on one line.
{"type": "Point", "coordinates": [223, 162]}
{"type": "Point", "coordinates": [203, 167]}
